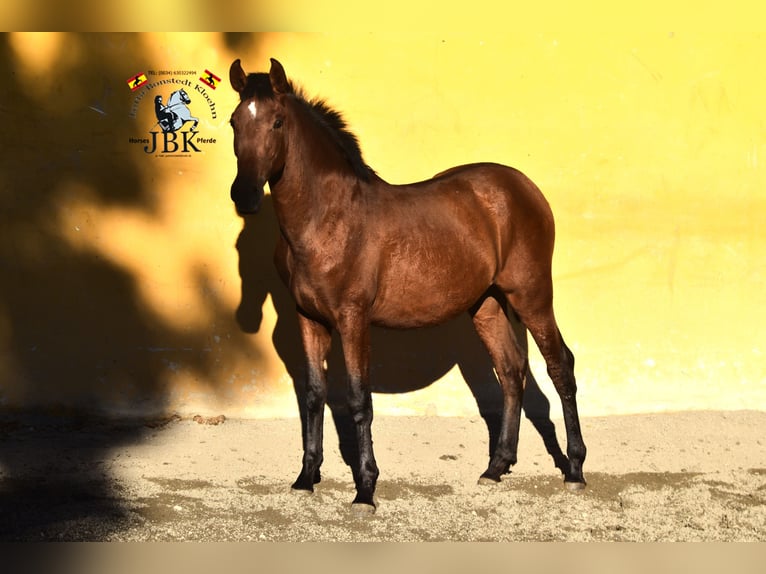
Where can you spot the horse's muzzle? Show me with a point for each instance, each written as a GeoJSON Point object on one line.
{"type": "Point", "coordinates": [246, 196]}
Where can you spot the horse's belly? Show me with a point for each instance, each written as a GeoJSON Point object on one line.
{"type": "Point", "coordinates": [408, 300]}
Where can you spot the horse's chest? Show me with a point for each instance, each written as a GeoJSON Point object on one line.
{"type": "Point", "coordinates": [316, 282]}
{"type": "Point", "coordinates": [308, 292]}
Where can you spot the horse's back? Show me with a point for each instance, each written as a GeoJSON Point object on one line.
{"type": "Point", "coordinates": [493, 180]}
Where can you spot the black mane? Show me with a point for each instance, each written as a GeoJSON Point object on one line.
{"type": "Point", "coordinates": [259, 86]}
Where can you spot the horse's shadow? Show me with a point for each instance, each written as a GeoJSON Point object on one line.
{"type": "Point", "coordinates": [401, 361]}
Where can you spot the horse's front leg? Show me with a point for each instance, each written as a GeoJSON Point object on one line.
{"type": "Point", "coordinates": [354, 330]}
{"type": "Point", "coordinates": [316, 343]}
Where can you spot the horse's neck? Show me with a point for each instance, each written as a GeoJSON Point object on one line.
{"type": "Point", "coordinates": [316, 184]}
{"type": "Point", "coordinates": [310, 210]}
{"type": "Point", "coordinates": [317, 210]}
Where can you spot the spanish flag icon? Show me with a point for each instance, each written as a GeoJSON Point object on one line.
{"type": "Point", "coordinates": [210, 79]}
{"type": "Point", "coordinates": [137, 81]}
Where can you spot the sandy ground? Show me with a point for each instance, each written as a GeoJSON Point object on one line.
{"type": "Point", "coordinates": [692, 476]}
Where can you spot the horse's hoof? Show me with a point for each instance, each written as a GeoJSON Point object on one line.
{"type": "Point", "coordinates": [487, 481]}
{"type": "Point", "coordinates": [574, 486]}
{"type": "Point", "coordinates": [362, 509]}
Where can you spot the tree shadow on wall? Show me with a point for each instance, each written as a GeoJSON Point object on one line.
{"type": "Point", "coordinates": [75, 330]}
{"type": "Point", "coordinates": [402, 361]}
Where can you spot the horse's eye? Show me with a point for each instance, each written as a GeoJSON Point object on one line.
{"type": "Point", "coordinates": [277, 124]}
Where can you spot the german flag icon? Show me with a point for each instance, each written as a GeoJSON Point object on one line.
{"type": "Point", "coordinates": [137, 81]}
{"type": "Point", "coordinates": [210, 79]}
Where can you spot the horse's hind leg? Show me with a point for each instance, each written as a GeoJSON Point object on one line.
{"type": "Point", "coordinates": [316, 343]}
{"type": "Point", "coordinates": [541, 323]}
{"type": "Point", "coordinates": [510, 364]}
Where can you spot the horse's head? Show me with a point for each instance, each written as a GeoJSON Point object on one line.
{"type": "Point", "coordinates": [259, 140]}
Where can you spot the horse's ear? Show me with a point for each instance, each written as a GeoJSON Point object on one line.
{"type": "Point", "coordinates": [278, 78]}
{"type": "Point", "coordinates": [237, 76]}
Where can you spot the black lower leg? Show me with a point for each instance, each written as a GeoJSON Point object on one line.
{"type": "Point", "coordinates": [312, 453]}
{"type": "Point", "coordinates": [576, 450]}
{"type": "Point", "coordinates": [564, 380]}
{"type": "Point", "coordinates": [505, 454]}
{"type": "Point", "coordinates": [366, 473]}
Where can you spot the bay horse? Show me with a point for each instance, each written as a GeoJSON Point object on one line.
{"type": "Point", "coordinates": [355, 251]}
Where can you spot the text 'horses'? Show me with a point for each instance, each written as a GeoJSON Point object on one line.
{"type": "Point", "coordinates": [355, 251]}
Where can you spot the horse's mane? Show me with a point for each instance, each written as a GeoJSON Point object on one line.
{"type": "Point", "coordinates": [259, 86]}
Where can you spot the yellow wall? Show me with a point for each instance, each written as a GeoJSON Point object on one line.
{"type": "Point", "coordinates": [121, 280]}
